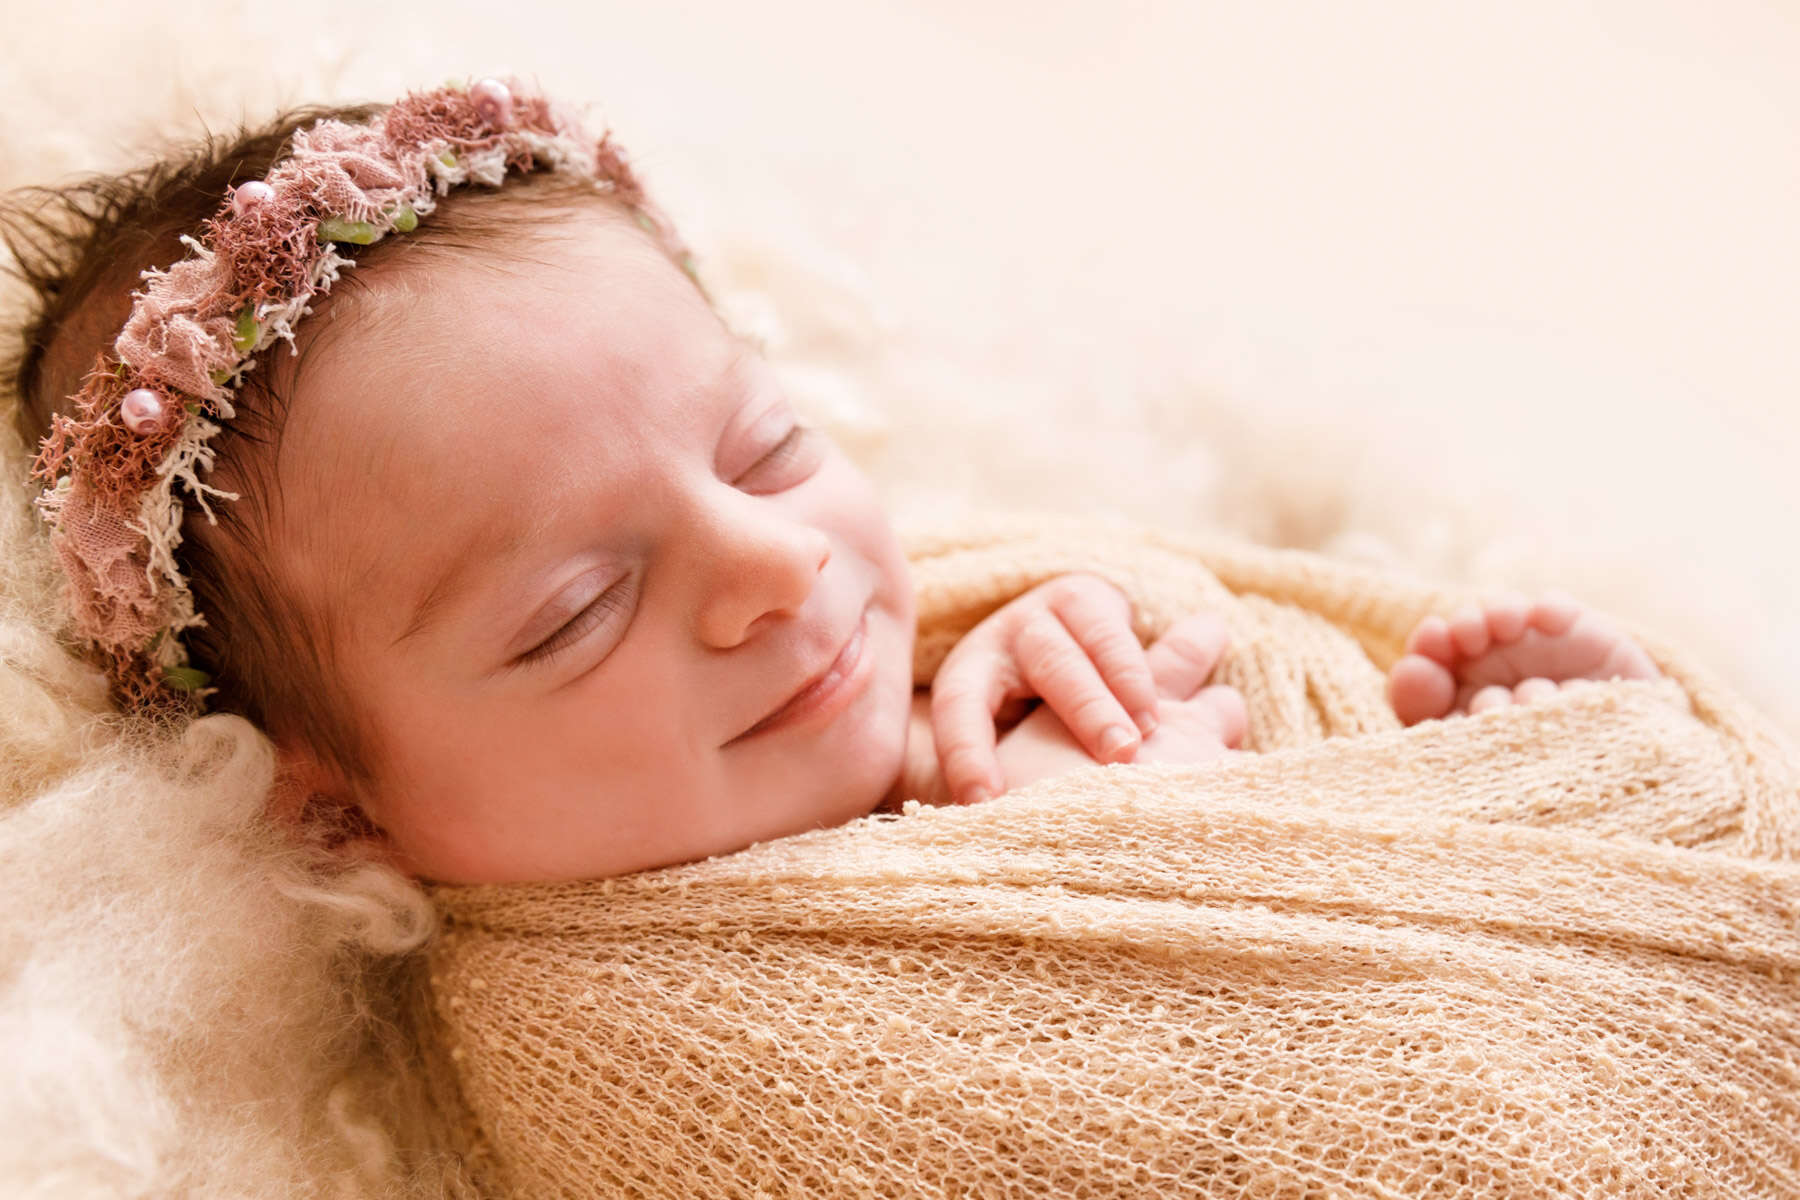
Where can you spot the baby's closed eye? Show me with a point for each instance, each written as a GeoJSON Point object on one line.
{"type": "Point", "coordinates": [616, 598]}
{"type": "Point", "coordinates": [789, 462]}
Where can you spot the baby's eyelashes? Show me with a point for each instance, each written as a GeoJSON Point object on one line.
{"type": "Point", "coordinates": [791, 461]}
{"type": "Point", "coordinates": [616, 598]}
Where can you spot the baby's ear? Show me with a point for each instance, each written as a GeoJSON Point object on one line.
{"type": "Point", "coordinates": [316, 803]}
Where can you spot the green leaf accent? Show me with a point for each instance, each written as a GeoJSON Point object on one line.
{"type": "Point", "coordinates": [643, 220]}
{"type": "Point", "coordinates": [406, 220]}
{"type": "Point", "coordinates": [193, 408]}
{"type": "Point", "coordinates": [186, 679]}
{"type": "Point", "coordinates": [357, 233]}
{"type": "Point", "coordinates": [247, 331]}
{"type": "Point", "coordinates": [219, 375]}
{"type": "Point", "coordinates": [447, 158]}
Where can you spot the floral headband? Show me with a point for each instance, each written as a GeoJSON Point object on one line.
{"type": "Point", "coordinates": [145, 413]}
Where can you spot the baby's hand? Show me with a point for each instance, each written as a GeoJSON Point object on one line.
{"type": "Point", "coordinates": [1198, 722]}
{"type": "Point", "coordinates": [1069, 641]}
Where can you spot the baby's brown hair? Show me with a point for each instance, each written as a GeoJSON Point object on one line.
{"type": "Point", "coordinates": [80, 248]}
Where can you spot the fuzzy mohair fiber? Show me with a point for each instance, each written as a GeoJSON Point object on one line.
{"type": "Point", "coordinates": [1205, 288]}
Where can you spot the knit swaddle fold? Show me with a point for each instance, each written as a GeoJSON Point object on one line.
{"type": "Point", "coordinates": [1549, 950]}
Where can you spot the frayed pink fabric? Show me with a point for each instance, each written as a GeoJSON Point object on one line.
{"type": "Point", "coordinates": [194, 328]}
{"type": "Point", "coordinates": [345, 171]}
{"type": "Point", "coordinates": [114, 463]}
{"type": "Point", "coordinates": [444, 115]}
{"type": "Point", "coordinates": [104, 562]}
{"type": "Point", "coordinates": [180, 334]}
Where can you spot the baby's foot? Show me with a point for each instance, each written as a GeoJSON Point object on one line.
{"type": "Point", "coordinates": [1509, 650]}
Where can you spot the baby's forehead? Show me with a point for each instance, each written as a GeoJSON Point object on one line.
{"type": "Point", "coordinates": [453, 388]}
{"type": "Point", "coordinates": [451, 289]}
{"type": "Point", "coordinates": [588, 303]}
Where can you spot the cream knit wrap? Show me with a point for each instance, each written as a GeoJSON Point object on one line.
{"type": "Point", "coordinates": [1552, 950]}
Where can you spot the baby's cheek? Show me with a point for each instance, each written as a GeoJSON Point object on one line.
{"type": "Point", "coordinates": [897, 694]}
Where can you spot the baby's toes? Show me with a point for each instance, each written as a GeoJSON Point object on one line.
{"type": "Point", "coordinates": [1506, 617]}
{"type": "Point", "coordinates": [1469, 630]}
{"type": "Point", "coordinates": [1554, 613]}
{"type": "Point", "coordinates": [1431, 639]}
{"type": "Point", "coordinates": [1492, 696]}
{"type": "Point", "coordinates": [1592, 647]}
{"type": "Point", "coordinates": [1534, 689]}
{"type": "Point", "coordinates": [1420, 689]}
{"type": "Point", "coordinates": [1625, 659]}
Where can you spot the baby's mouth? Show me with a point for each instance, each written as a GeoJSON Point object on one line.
{"type": "Point", "coordinates": [821, 688]}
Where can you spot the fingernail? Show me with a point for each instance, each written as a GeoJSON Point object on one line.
{"type": "Point", "coordinates": [1146, 722]}
{"type": "Point", "coordinates": [977, 795]}
{"type": "Point", "coordinates": [1115, 739]}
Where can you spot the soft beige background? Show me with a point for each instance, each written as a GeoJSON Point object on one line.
{"type": "Point", "coordinates": [1501, 291]}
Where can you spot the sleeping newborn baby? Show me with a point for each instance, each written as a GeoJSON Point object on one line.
{"type": "Point", "coordinates": [536, 573]}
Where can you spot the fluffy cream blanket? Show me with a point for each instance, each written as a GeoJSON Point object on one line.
{"type": "Point", "coordinates": [1549, 950]}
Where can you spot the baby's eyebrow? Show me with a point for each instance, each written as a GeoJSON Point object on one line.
{"type": "Point", "coordinates": [471, 555]}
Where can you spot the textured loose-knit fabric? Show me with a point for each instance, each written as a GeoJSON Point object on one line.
{"type": "Point", "coordinates": [1552, 950]}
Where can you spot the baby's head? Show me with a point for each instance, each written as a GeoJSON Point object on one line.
{"type": "Point", "coordinates": [530, 546]}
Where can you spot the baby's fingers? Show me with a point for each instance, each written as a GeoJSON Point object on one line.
{"type": "Point", "coordinates": [1183, 659]}
{"type": "Point", "coordinates": [1100, 620]}
{"type": "Point", "coordinates": [1057, 667]}
{"type": "Point", "coordinates": [1223, 708]}
{"type": "Point", "coordinates": [969, 689]}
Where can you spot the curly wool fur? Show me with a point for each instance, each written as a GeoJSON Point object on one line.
{"type": "Point", "coordinates": [152, 1047]}
{"type": "Point", "coordinates": [157, 1049]}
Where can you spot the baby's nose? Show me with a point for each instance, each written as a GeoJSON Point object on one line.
{"type": "Point", "coordinates": [766, 571]}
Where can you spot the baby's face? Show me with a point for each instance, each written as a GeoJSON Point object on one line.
{"type": "Point", "coordinates": [577, 552]}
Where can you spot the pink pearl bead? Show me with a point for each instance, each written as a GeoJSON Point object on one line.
{"type": "Point", "coordinates": [493, 100]}
{"type": "Point", "coordinates": [142, 410]}
{"type": "Point", "coordinates": [249, 195]}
